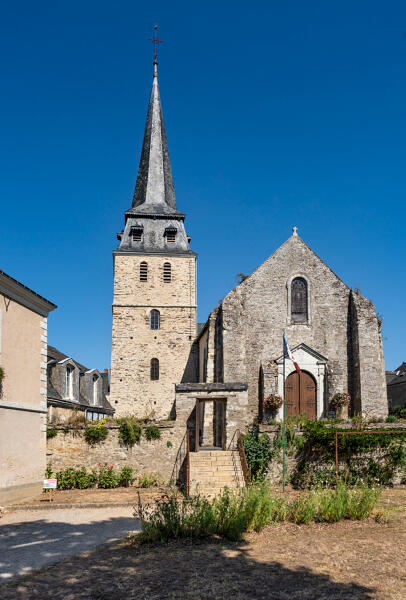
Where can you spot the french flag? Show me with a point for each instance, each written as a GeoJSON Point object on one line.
{"type": "Point", "coordinates": [288, 354]}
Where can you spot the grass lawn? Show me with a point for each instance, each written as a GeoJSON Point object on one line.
{"type": "Point", "coordinates": [346, 560]}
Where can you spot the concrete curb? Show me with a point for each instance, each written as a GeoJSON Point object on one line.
{"type": "Point", "coordinates": [52, 506]}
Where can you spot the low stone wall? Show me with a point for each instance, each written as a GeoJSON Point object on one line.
{"type": "Point", "coordinates": [70, 449]}
{"type": "Point", "coordinates": [276, 467]}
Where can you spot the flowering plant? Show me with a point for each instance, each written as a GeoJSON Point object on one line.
{"type": "Point", "coordinates": [340, 400]}
{"type": "Point", "coordinates": [273, 402]}
{"type": "Point", "coordinates": [108, 477]}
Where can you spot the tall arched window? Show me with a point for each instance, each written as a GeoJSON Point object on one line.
{"type": "Point", "coordinates": [154, 319]}
{"type": "Point", "coordinates": [298, 299]}
{"type": "Point", "coordinates": [167, 273]}
{"type": "Point", "coordinates": [144, 271]}
{"type": "Point", "coordinates": [154, 369]}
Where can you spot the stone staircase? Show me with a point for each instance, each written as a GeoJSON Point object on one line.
{"type": "Point", "coordinates": [213, 470]}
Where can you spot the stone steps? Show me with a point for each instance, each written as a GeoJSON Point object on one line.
{"type": "Point", "coordinates": [212, 471]}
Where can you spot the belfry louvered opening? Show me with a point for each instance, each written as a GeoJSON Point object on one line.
{"type": "Point", "coordinates": [144, 271]}
{"type": "Point", "coordinates": [136, 233]}
{"type": "Point", "coordinates": [167, 272]}
{"type": "Point", "coordinates": [170, 234]}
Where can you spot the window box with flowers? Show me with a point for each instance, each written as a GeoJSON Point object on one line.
{"type": "Point", "coordinates": [271, 405]}
{"type": "Point", "coordinates": [339, 403]}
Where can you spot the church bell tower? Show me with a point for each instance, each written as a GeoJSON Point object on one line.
{"type": "Point", "coordinates": [154, 306]}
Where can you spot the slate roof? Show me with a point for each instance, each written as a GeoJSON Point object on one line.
{"type": "Point", "coordinates": [154, 192]}
{"type": "Point", "coordinates": [54, 356]}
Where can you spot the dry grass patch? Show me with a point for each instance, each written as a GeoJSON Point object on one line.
{"type": "Point", "coordinates": [342, 561]}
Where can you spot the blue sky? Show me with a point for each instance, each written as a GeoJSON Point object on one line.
{"type": "Point", "coordinates": [282, 114]}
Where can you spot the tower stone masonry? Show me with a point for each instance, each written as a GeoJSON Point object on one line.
{"type": "Point", "coordinates": [154, 305]}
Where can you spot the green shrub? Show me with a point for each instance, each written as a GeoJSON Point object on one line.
{"type": "Point", "coordinates": [152, 433]}
{"type": "Point", "coordinates": [175, 517]}
{"type": "Point", "coordinates": [232, 513]}
{"type": "Point", "coordinates": [228, 519]}
{"type": "Point", "coordinates": [95, 434]}
{"type": "Point", "coordinates": [362, 502]}
{"type": "Point", "coordinates": [303, 509]}
{"type": "Point", "coordinates": [107, 477]}
{"type": "Point", "coordinates": [130, 431]}
{"type": "Point", "coordinates": [126, 476]}
{"type": "Point", "coordinates": [169, 444]}
{"type": "Point", "coordinates": [149, 480]}
{"type": "Point", "coordinates": [259, 452]}
{"type": "Point", "coordinates": [66, 479]}
{"type": "Point", "coordinates": [258, 506]}
{"type": "Point", "coordinates": [48, 472]}
{"type": "Point", "coordinates": [391, 419]}
{"type": "Point", "coordinates": [51, 432]}
{"type": "Point", "coordinates": [84, 479]}
{"type": "Point", "coordinates": [332, 504]}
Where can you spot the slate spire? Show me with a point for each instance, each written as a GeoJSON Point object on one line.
{"type": "Point", "coordinates": [154, 190]}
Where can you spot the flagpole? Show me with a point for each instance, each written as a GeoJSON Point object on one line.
{"type": "Point", "coordinates": [284, 414]}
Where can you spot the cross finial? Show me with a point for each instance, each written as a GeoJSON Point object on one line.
{"type": "Point", "coordinates": [156, 41]}
{"type": "Point", "coordinates": [294, 229]}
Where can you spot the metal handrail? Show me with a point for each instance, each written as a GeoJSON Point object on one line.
{"type": "Point", "coordinates": [182, 458]}
{"type": "Point", "coordinates": [187, 464]}
{"type": "Point", "coordinates": [239, 446]}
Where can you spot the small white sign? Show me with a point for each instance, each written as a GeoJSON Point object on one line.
{"type": "Point", "coordinates": [50, 484]}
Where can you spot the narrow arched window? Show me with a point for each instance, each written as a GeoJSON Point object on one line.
{"type": "Point", "coordinates": [144, 271]}
{"type": "Point", "coordinates": [155, 319]}
{"type": "Point", "coordinates": [299, 300]}
{"type": "Point", "coordinates": [154, 369]}
{"type": "Point", "coordinates": [167, 273]}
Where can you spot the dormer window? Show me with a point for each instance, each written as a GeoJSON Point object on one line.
{"type": "Point", "coordinates": [95, 381]}
{"type": "Point", "coordinates": [170, 234]}
{"type": "Point", "coordinates": [69, 383]}
{"type": "Point", "coordinates": [136, 233]}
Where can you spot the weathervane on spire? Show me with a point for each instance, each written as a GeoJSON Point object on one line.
{"type": "Point", "coordinates": [156, 41]}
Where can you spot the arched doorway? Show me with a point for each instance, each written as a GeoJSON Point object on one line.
{"type": "Point", "coordinates": [301, 395]}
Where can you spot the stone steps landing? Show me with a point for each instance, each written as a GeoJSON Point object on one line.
{"type": "Point", "coordinates": [213, 470]}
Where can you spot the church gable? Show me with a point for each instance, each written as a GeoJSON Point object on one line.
{"type": "Point", "coordinates": [292, 290]}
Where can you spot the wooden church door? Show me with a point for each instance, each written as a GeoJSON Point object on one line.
{"type": "Point", "coordinates": [301, 395]}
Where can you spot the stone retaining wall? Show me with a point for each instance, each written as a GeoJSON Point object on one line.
{"type": "Point", "coordinates": [71, 450]}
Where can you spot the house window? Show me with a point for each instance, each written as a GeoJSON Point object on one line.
{"type": "Point", "coordinates": [167, 273]}
{"type": "Point", "coordinates": [137, 234]}
{"type": "Point", "coordinates": [144, 271]}
{"type": "Point", "coordinates": [299, 300]}
{"type": "Point", "coordinates": [69, 383]}
{"type": "Point", "coordinates": [95, 395]}
{"type": "Point", "coordinates": [155, 319]}
{"type": "Point", "coordinates": [154, 369]}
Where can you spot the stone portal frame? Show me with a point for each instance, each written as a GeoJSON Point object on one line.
{"type": "Point", "coordinates": [314, 363]}
{"type": "Point", "coordinates": [235, 396]}
{"type": "Point", "coordinates": [289, 321]}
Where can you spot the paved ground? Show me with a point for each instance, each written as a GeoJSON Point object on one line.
{"type": "Point", "coordinates": [30, 539]}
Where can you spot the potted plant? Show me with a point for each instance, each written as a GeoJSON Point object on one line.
{"type": "Point", "coordinates": [271, 405]}
{"type": "Point", "coordinates": [339, 402]}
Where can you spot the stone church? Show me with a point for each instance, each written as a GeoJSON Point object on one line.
{"type": "Point", "coordinates": [164, 364]}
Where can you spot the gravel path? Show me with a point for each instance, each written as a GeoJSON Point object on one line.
{"type": "Point", "coordinates": [30, 539]}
